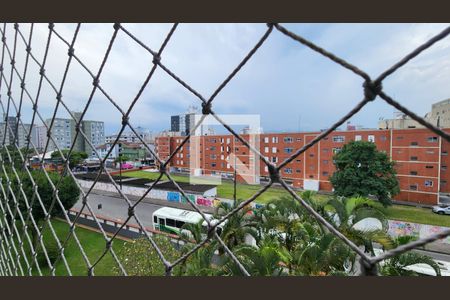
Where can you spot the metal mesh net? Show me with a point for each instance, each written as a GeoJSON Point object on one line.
{"type": "Point", "coordinates": [18, 210]}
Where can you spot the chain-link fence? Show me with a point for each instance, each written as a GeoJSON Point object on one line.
{"type": "Point", "coordinates": [17, 209]}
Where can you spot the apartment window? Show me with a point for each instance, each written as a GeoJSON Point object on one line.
{"type": "Point", "coordinates": [339, 139]}
{"type": "Point", "coordinates": [324, 173]}
{"type": "Point", "coordinates": [213, 164]}
{"type": "Point", "coordinates": [443, 182]}
{"type": "Point", "coordinates": [221, 140]}
{"type": "Point", "coordinates": [274, 149]}
{"type": "Point", "coordinates": [274, 139]}
{"type": "Point", "coordinates": [228, 140]}
{"type": "Point", "coordinates": [288, 139]}
{"type": "Point", "coordinates": [311, 155]}
{"type": "Point", "coordinates": [213, 156]}
{"type": "Point", "coordinates": [274, 159]}
{"type": "Point", "coordinates": [443, 168]}
{"type": "Point", "coordinates": [413, 173]}
{"type": "Point", "coordinates": [299, 139]}
{"type": "Point", "coordinates": [288, 171]}
{"type": "Point", "coordinates": [413, 187]}
{"type": "Point", "coordinates": [371, 138]}
{"type": "Point", "coordinates": [325, 162]}
{"type": "Point", "coordinates": [432, 139]}
{"type": "Point", "coordinates": [311, 167]}
{"type": "Point", "coordinates": [213, 148]}
{"type": "Point", "coordinates": [298, 171]}
{"type": "Point", "coordinates": [311, 176]}
{"type": "Point", "coordinates": [266, 140]}
{"type": "Point", "coordinates": [213, 140]}
{"type": "Point", "coordinates": [429, 167]}
{"type": "Point", "coordinates": [288, 150]}
{"type": "Point", "coordinates": [399, 138]}
{"type": "Point", "coordinates": [414, 143]}
{"type": "Point", "coordinates": [266, 169]}
{"type": "Point", "coordinates": [413, 158]}
{"type": "Point", "coordinates": [266, 149]}
{"type": "Point", "coordinates": [398, 151]}
{"type": "Point", "coordinates": [429, 183]}
{"type": "Point", "coordinates": [358, 138]}
{"type": "Point", "coordinates": [298, 160]}
{"type": "Point", "coordinates": [336, 150]}
{"type": "Point", "coordinates": [325, 150]}
{"type": "Point", "coordinates": [382, 138]}
{"type": "Point", "coordinates": [430, 151]}
{"type": "Point", "coordinates": [444, 152]}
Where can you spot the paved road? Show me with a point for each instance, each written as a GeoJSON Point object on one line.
{"type": "Point", "coordinates": [117, 208]}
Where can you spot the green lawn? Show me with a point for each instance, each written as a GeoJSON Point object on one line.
{"type": "Point", "coordinates": [225, 190]}
{"type": "Point", "coordinates": [93, 244]}
{"type": "Point", "coordinates": [416, 215]}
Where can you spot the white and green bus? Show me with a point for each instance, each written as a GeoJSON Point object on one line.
{"type": "Point", "coordinates": [171, 220]}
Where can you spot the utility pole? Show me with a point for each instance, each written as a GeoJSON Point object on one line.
{"type": "Point", "coordinates": [235, 173]}
{"type": "Point", "coordinates": [120, 170]}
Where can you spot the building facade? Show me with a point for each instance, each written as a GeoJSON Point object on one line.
{"type": "Point", "coordinates": [143, 134]}
{"type": "Point", "coordinates": [421, 158]}
{"type": "Point", "coordinates": [63, 132]}
{"type": "Point", "coordinates": [14, 132]}
{"type": "Point", "coordinates": [439, 116]}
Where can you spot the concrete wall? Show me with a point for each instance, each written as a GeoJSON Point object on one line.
{"type": "Point", "coordinates": [400, 228]}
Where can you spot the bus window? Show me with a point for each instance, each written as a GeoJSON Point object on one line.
{"type": "Point", "coordinates": [155, 219]}
{"type": "Point", "coordinates": [162, 222]}
{"type": "Point", "coordinates": [170, 222]}
{"type": "Point", "coordinates": [179, 224]}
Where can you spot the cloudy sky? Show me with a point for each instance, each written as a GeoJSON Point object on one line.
{"type": "Point", "coordinates": [290, 86]}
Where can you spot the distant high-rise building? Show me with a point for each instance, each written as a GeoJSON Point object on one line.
{"type": "Point", "coordinates": [39, 137]}
{"type": "Point", "coordinates": [63, 132]}
{"type": "Point", "coordinates": [439, 116]}
{"type": "Point", "coordinates": [143, 134]}
{"type": "Point", "coordinates": [14, 132]}
{"type": "Point", "coordinates": [185, 122]}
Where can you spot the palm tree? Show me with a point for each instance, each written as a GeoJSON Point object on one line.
{"type": "Point", "coordinates": [201, 262]}
{"type": "Point", "coordinates": [397, 265]}
{"type": "Point", "coordinates": [319, 252]}
{"type": "Point", "coordinates": [238, 226]}
{"type": "Point", "coordinates": [345, 213]}
{"type": "Point", "coordinates": [265, 260]}
{"type": "Point", "coordinates": [281, 218]}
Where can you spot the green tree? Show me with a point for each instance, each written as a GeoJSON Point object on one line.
{"type": "Point", "coordinates": [397, 265]}
{"type": "Point", "coordinates": [319, 253]}
{"type": "Point", "coordinates": [362, 170]}
{"type": "Point", "coordinates": [345, 213]}
{"type": "Point", "coordinates": [75, 158]}
{"type": "Point", "coordinates": [139, 257]}
{"type": "Point", "coordinates": [265, 260]}
{"type": "Point", "coordinates": [122, 159]}
{"type": "Point", "coordinates": [68, 193]}
{"type": "Point", "coordinates": [15, 158]}
{"type": "Point", "coordinates": [238, 226]}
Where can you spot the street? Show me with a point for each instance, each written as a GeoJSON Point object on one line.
{"type": "Point", "coordinates": [117, 208]}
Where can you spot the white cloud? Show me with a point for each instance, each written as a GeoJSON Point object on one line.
{"type": "Point", "coordinates": [284, 79]}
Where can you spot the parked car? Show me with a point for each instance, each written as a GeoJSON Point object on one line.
{"type": "Point", "coordinates": [127, 166]}
{"type": "Point", "coordinates": [442, 209]}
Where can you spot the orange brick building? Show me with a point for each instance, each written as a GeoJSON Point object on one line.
{"type": "Point", "coordinates": [421, 158]}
